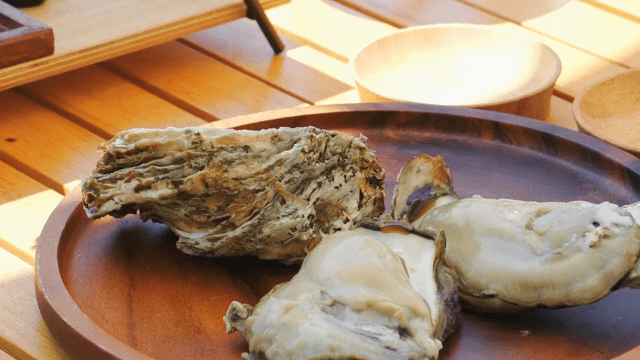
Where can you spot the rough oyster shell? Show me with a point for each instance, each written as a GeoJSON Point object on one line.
{"type": "Point", "coordinates": [266, 193]}
{"type": "Point", "coordinates": [360, 294]}
{"type": "Point", "coordinates": [509, 254]}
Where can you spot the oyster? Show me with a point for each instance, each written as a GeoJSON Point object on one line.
{"type": "Point", "coordinates": [356, 298]}
{"type": "Point", "coordinates": [509, 254]}
{"type": "Point", "coordinates": [269, 193]}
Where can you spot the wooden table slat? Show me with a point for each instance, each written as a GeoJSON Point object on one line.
{"type": "Point", "coordinates": [106, 103]}
{"type": "Point", "coordinates": [43, 144]}
{"type": "Point", "coordinates": [198, 83]}
{"type": "Point", "coordinates": [328, 26]}
{"type": "Point", "coordinates": [405, 13]}
{"type": "Point", "coordinates": [562, 113]}
{"type": "Point", "coordinates": [5, 356]}
{"type": "Point", "coordinates": [577, 23]}
{"type": "Point", "coordinates": [25, 205]}
{"type": "Point", "coordinates": [629, 9]}
{"type": "Point", "coordinates": [23, 333]}
{"type": "Point", "coordinates": [304, 72]}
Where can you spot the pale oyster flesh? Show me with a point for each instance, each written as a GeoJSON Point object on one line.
{"type": "Point", "coordinates": [509, 254]}
{"type": "Point", "coordinates": [355, 298]}
{"type": "Point", "coordinates": [268, 193]}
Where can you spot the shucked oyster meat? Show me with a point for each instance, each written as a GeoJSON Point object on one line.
{"type": "Point", "coordinates": [509, 254]}
{"type": "Point", "coordinates": [269, 193]}
{"type": "Point", "coordinates": [360, 294]}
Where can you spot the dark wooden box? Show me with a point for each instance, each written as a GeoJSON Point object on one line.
{"type": "Point", "coordinates": [22, 38]}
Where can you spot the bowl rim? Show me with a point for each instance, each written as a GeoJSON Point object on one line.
{"type": "Point", "coordinates": [583, 124]}
{"type": "Point", "coordinates": [549, 83]}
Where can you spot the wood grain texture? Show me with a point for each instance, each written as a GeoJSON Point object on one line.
{"type": "Point", "coordinates": [348, 97]}
{"type": "Point", "coordinates": [580, 69]}
{"type": "Point", "coordinates": [22, 38]}
{"type": "Point", "coordinates": [157, 296]}
{"type": "Point", "coordinates": [300, 70]}
{"type": "Point", "coordinates": [307, 22]}
{"type": "Point", "coordinates": [514, 12]}
{"type": "Point", "coordinates": [25, 205]}
{"type": "Point", "coordinates": [5, 356]}
{"type": "Point", "coordinates": [198, 83]}
{"type": "Point", "coordinates": [629, 9]}
{"type": "Point", "coordinates": [106, 103]}
{"type": "Point", "coordinates": [562, 113]}
{"type": "Point", "coordinates": [43, 144]}
{"type": "Point", "coordinates": [630, 355]}
{"type": "Point", "coordinates": [23, 334]}
{"type": "Point", "coordinates": [577, 23]}
{"type": "Point", "coordinates": [405, 13]}
{"type": "Point", "coordinates": [89, 32]}
{"type": "Point", "coordinates": [150, 282]}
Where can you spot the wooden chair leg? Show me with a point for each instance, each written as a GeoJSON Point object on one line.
{"type": "Point", "coordinates": [255, 12]}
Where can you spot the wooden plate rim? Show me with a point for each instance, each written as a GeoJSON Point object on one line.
{"type": "Point", "coordinates": [82, 338]}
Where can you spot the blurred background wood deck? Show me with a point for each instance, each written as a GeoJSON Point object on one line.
{"type": "Point", "coordinates": [49, 129]}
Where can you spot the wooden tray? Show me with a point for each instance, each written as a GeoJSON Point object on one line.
{"type": "Point", "coordinates": [22, 38]}
{"type": "Point", "coordinates": [118, 288]}
{"type": "Point", "coordinates": [88, 32]}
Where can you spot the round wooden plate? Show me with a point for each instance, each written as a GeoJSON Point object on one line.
{"type": "Point", "coordinates": [118, 288]}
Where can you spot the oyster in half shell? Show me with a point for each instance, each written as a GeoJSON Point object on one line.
{"type": "Point", "coordinates": [509, 254]}
{"type": "Point", "coordinates": [268, 193]}
{"type": "Point", "coordinates": [360, 294]}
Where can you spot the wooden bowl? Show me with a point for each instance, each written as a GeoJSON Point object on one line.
{"type": "Point", "coordinates": [610, 110]}
{"type": "Point", "coordinates": [461, 65]}
{"type": "Point", "coordinates": [119, 289]}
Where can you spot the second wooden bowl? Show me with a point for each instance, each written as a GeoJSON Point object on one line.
{"type": "Point", "coordinates": [610, 110]}
{"type": "Point", "coordinates": [465, 65]}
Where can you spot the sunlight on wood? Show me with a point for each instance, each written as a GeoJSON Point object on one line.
{"type": "Point", "coordinates": [561, 113]}
{"type": "Point", "coordinates": [300, 71]}
{"type": "Point", "coordinates": [594, 30]}
{"type": "Point", "coordinates": [306, 21]}
{"type": "Point", "coordinates": [105, 103]}
{"type": "Point", "coordinates": [73, 184]}
{"type": "Point", "coordinates": [517, 11]}
{"type": "Point", "coordinates": [206, 87]}
{"type": "Point", "coordinates": [405, 13]}
{"type": "Point", "coordinates": [631, 7]}
{"type": "Point", "coordinates": [579, 69]}
{"type": "Point", "coordinates": [23, 220]}
{"type": "Point", "coordinates": [630, 355]}
{"type": "Point", "coordinates": [20, 326]}
{"type": "Point", "coordinates": [323, 63]}
{"type": "Point", "coordinates": [5, 356]}
{"type": "Point", "coordinates": [348, 97]}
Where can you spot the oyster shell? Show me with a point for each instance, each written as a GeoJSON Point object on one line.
{"type": "Point", "coordinates": [509, 254]}
{"type": "Point", "coordinates": [356, 298]}
{"type": "Point", "coordinates": [268, 193]}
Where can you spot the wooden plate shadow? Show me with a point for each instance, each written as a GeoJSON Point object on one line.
{"type": "Point", "coordinates": [118, 288]}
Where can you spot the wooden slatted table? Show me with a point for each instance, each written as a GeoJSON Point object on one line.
{"type": "Point", "coordinates": [50, 127]}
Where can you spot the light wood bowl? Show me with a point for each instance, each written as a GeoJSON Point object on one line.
{"type": "Point", "coordinates": [463, 65]}
{"type": "Point", "coordinates": [610, 110]}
